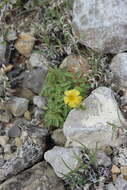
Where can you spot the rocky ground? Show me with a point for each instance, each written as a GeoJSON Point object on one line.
{"type": "Point", "coordinates": [89, 152]}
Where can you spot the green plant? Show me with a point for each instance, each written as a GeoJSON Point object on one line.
{"type": "Point", "coordinates": [56, 83]}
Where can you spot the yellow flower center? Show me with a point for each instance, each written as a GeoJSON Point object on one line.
{"type": "Point", "coordinates": [72, 98]}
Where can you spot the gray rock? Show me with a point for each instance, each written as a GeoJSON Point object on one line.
{"type": "Point", "coordinates": [59, 137]}
{"type": "Point", "coordinates": [34, 79]}
{"type": "Point", "coordinates": [39, 101]}
{"type": "Point", "coordinates": [94, 124]}
{"type": "Point", "coordinates": [38, 114]}
{"type": "Point", "coordinates": [101, 25]}
{"type": "Point", "coordinates": [120, 184]}
{"type": "Point", "coordinates": [119, 69]}
{"type": "Point", "coordinates": [60, 158]}
{"type": "Point", "coordinates": [40, 177]}
{"type": "Point", "coordinates": [2, 49]}
{"type": "Point", "coordinates": [103, 159]}
{"type": "Point", "coordinates": [29, 152]}
{"type": "Point", "coordinates": [17, 105]}
{"type": "Point", "coordinates": [14, 131]}
{"type": "Point", "coordinates": [37, 60]}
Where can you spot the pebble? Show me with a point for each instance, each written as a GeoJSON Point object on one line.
{"type": "Point", "coordinates": [39, 101]}
{"type": "Point", "coordinates": [14, 131]}
{"type": "Point", "coordinates": [27, 115]}
{"type": "Point", "coordinates": [76, 64]}
{"type": "Point", "coordinates": [18, 106]}
{"type": "Point", "coordinates": [3, 140]}
{"type": "Point", "coordinates": [25, 43]}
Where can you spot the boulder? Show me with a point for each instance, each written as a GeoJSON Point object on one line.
{"type": "Point", "coordinates": [98, 123]}
{"type": "Point", "coordinates": [101, 25]}
{"type": "Point", "coordinates": [62, 159]}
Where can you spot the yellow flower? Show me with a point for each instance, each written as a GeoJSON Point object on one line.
{"type": "Point", "coordinates": [72, 98]}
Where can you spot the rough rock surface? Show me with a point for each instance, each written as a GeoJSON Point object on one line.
{"type": "Point", "coordinates": [119, 69]}
{"type": "Point", "coordinates": [18, 106]}
{"type": "Point", "coordinates": [120, 184]}
{"type": "Point", "coordinates": [94, 124]}
{"type": "Point", "coordinates": [26, 152]}
{"type": "Point", "coordinates": [101, 25]}
{"type": "Point", "coordinates": [33, 80]}
{"type": "Point", "coordinates": [59, 157]}
{"type": "Point", "coordinates": [37, 60]}
{"type": "Point", "coordinates": [39, 177]}
{"type": "Point", "coordinates": [2, 49]}
{"type": "Point", "coordinates": [39, 101]}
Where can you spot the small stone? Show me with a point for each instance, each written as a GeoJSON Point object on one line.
{"type": "Point", "coordinates": [27, 115]}
{"type": "Point", "coordinates": [34, 79]}
{"type": "Point", "coordinates": [38, 114]}
{"type": "Point", "coordinates": [124, 170]}
{"type": "Point", "coordinates": [39, 101]}
{"type": "Point", "coordinates": [103, 159]}
{"type": "Point", "coordinates": [7, 149]}
{"type": "Point", "coordinates": [76, 64]}
{"type": "Point", "coordinates": [5, 117]}
{"type": "Point", "coordinates": [25, 93]}
{"type": "Point", "coordinates": [108, 150]}
{"type": "Point", "coordinates": [14, 131]}
{"type": "Point", "coordinates": [11, 35]}
{"type": "Point", "coordinates": [18, 106]}
{"type": "Point", "coordinates": [18, 142]}
{"type": "Point", "coordinates": [59, 137]}
{"type": "Point", "coordinates": [115, 170]}
{"type": "Point", "coordinates": [3, 140]}
{"type": "Point", "coordinates": [24, 44]}
{"type": "Point", "coordinates": [37, 60]}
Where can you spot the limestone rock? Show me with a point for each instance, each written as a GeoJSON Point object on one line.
{"type": "Point", "coordinates": [28, 152]}
{"type": "Point", "coordinates": [40, 177]}
{"type": "Point", "coordinates": [101, 25]}
{"type": "Point", "coordinates": [95, 123]}
{"type": "Point", "coordinates": [18, 106]}
{"type": "Point", "coordinates": [119, 69]}
{"type": "Point", "coordinates": [24, 44]}
{"type": "Point", "coordinates": [59, 157]}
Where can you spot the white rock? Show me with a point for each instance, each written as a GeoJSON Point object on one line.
{"type": "Point", "coordinates": [101, 25]}
{"type": "Point", "coordinates": [92, 126]}
{"type": "Point", "coordinates": [3, 140]}
{"type": "Point", "coordinates": [59, 157]}
{"type": "Point", "coordinates": [18, 106]}
{"type": "Point", "coordinates": [119, 69]}
{"type": "Point", "coordinates": [37, 60]}
{"type": "Point", "coordinates": [39, 101]}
